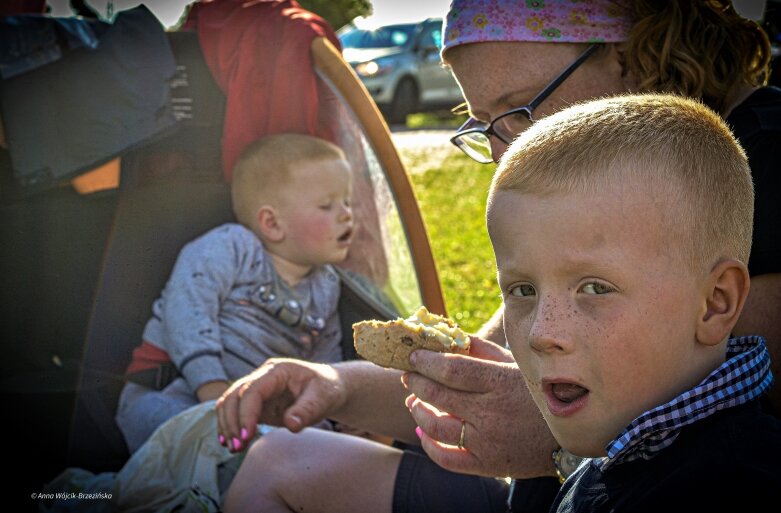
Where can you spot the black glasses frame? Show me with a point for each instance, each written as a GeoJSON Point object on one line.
{"type": "Point", "coordinates": [469, 127]}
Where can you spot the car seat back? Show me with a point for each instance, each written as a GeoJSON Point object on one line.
{"type": "Point", "coordinates": [172, 191]}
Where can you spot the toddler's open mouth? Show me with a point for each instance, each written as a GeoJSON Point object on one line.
{"type": "Point", "coordinates": [346, 236]}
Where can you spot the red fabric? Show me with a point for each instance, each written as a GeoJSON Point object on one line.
{"type": "Point", "coordinates": [259, 54]}
{"type": "Point", "coordinates": [11, 7]}
{"type": "Point", "coordinates": [146, 356]}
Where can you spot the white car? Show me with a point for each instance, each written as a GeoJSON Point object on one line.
{"type": "Point", "coordinates": [400, 66]}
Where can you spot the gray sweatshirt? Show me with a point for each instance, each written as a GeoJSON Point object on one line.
{"type": "Point", "coordinates": [225, 310]}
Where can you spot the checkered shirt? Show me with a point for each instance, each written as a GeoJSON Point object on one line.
{"type": "Point", "coordinates": [744, 376]}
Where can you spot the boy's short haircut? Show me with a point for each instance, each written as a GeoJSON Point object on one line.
{"type": "Point", "coordinates": [265, 167]}
{"type": "Point", "coordinates": [681, 149]}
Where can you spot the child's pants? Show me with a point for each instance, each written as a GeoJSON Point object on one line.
{"type": "Point", "coordinates": [142, 410]}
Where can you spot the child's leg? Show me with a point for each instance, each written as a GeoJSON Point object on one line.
{"type": "Point", "coordinates": [142, 410]}
{"type": "Point", "coordinates": [315, 470]}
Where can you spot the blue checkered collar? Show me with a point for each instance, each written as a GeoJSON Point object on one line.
{"type": "Point", "coordinates": [743, 377]}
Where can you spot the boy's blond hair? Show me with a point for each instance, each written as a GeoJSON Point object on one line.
{"type": "Point", "coordinates": [682, 149]}
{"type": "Point", "coordinates": [266, 167]}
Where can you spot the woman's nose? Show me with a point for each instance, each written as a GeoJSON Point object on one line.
{"type": "Point", "coordinates": [497, 148]}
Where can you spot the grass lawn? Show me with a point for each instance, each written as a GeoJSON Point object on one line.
{"type": "Point", "coordinates": [452, 194]}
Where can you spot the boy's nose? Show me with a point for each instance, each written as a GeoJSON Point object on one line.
{"type": "Point", "coordinates": [548, 333]}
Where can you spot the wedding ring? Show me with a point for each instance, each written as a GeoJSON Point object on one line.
{"type": "Point", "coordinates": [461, 438]}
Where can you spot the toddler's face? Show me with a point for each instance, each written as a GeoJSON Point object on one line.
{"type": "Point", "coordinates": [316, 214]}
{"type": "Point", "coordinates": [599, 312]}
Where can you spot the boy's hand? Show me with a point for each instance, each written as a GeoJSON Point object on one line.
{"type": "Point", "coordinates": [211, 390]}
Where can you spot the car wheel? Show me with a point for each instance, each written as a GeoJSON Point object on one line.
{"type": "Point", "coordinates": [405, 101]}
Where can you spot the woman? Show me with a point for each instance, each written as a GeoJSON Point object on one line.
{"type": "Point", "coordinates": [515, 62]}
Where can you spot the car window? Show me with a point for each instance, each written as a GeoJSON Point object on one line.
{"type": "Point", "coordinates": [431, 36]}
{"type": "Point", "coordinates": [383, 37]}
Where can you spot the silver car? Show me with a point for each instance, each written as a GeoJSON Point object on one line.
{"type": "Point", "coordinates": [401, 68]}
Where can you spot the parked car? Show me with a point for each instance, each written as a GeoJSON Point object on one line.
{"type": "Point", "coordinates": [400, 66]}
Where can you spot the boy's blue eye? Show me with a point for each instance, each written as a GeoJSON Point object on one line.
{"type": "Point", "coordinates": [325, 206]}
{"type": "Point", "coordinates": [596, 287]}
{"type": "Point", "coordinates": [523, 290]}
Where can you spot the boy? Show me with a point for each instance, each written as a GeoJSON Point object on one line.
{"type": "Point", "coordinates": [621, 229]}
{"type": "Point", "coordinates": [245, 292]}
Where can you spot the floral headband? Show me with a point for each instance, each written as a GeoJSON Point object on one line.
{"type": "Point", "coordinates": [563, 21]}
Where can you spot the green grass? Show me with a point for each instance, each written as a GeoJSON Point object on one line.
{"type": "Point", "coordinates": [452, 195]}
{"type": "Point", "coordinates": [436, 119]}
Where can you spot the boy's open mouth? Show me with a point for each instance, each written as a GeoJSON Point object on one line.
{"type": "Point", "coordinates": [567, 392]}
{"type": "Point", "coordinates": [564, 398]}
{"type": "Point", "coordinates": [346, 236]}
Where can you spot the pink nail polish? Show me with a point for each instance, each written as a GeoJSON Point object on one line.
{"type": "Point", "coordinates": [236, 444]}
{"type": "Point", "coordinates": [419, 432]}
{"type": "Point", "coordinates": [244, 434]}
{"type": "Point", "coordinates": [221, 438]}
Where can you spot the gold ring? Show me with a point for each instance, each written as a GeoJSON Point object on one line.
{"type": "Point", "coordinates": [461, 438]}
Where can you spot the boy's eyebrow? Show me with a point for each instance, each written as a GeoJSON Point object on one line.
{"type": "Point", "coordinates": [511, 274]}
{"type": "Point", "coordinates": [588, 265]}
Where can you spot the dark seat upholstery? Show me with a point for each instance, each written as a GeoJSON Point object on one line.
{"type": "Point", "coordinates": [79, 275]}
{"type": "Point", "coordinates": [172, 191]}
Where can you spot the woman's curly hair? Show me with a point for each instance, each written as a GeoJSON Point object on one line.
{"type": "Point", "coordinates": [698, 48]}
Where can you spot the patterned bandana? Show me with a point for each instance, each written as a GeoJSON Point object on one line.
{"type": "Point", "coordinates": [558, 21]}
{"type": "Point", "coordinates": [744, 376]}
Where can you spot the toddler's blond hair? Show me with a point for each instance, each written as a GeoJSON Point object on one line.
{"type": "Point", "coordinates": [265, 169]}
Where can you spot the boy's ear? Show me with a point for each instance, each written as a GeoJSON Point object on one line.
{"type": "Point", "coordinates": [269, 225]}
{"type": "Point", "coordinates": [726, 292]}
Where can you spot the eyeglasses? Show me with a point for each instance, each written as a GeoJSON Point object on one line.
{"type": "Point", "coordinates": [473, 136]}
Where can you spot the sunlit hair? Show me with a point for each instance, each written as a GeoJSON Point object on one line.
{"type": "Point", "coordinates": [265, 168]}
{"type": "Point", "coordinates": [698, 48]}
{"type": "Point", "coordinates": [675, 149]}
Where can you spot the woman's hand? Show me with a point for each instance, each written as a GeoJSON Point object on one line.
{"type": "Point", "coordinates": [211, 390]}
{"type": "Point", "coordinates": [504, 432]}
{"type": "Point", "coordinates": [281, 392]}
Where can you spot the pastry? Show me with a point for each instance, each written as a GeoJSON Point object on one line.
{"type": "Point", "coordinates": [390, 343]}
